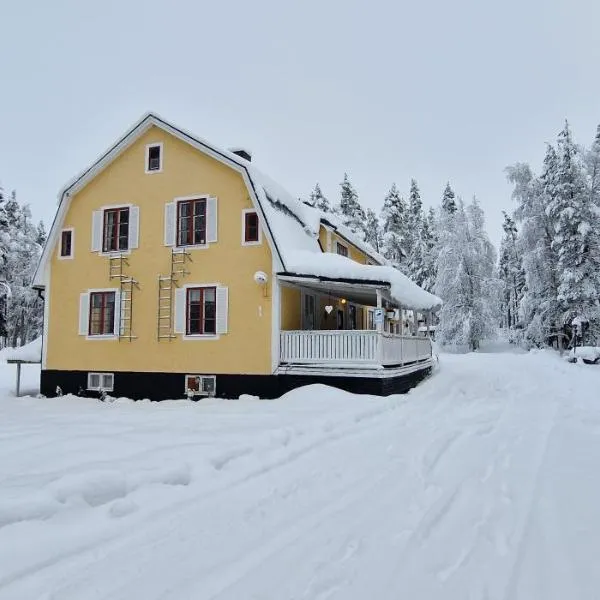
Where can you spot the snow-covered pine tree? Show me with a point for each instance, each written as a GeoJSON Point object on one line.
{"type": "Point", "coordinates": [466, 278]}
{"type": "Point", "coordinates": [431, 241]}
{"type": "Point", "coordinates": [349, 208]}
{"type": "Point", "coordinates": [318, 199]}
{"type": "Point", "coordinates": [393, 220]}
{"type": "Point", "coordinates": [449, 199]}
{"type": "Point", "coordinates": [374, 234]}
{"type": "Point", "coordinates": [511, 273]}
{"type": "Point", "coordinates": [416, 246]}
{"type": "Point", "coordinates": [576, 235]}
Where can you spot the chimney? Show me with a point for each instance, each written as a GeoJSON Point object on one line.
{"type": "Point", "coordinates": [242, 153]}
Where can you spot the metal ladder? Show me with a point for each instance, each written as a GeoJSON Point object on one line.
{"type": "Point", "coordinates": [116, 270]}
{"type": "Point", "coordinates": [166, 291]}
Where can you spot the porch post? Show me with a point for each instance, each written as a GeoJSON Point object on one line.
{"type": "Point", "coordinates": [379, 331]}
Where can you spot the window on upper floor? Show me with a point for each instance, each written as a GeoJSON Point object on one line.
{"type": "Point", "coordinates": [191, 222]}
{"type": "Point", "coordinates": [115, 232]}
{"type": "Point", "coordinates": [66, 243]}
{"type": "Point", "coordinates": [154, 158]}
{"type": "Point", "coordinates": [341, 249]}
{"type": "Point", "coordinates": [201, 311]}
{"type": "Point", "coordinates": [102, 313]}
{"type": "Point", "coordinates": [251, 229]}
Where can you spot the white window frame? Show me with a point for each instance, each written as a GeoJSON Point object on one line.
{"type": "Point", "coordinates": [100, 387]}
{"type": "Point", "coordinates": [108, 336]}
{"type": "Point", "coordinates": [72, 255]}
{"type": "Point", "coordinates": [179, 199]}
{"type": "Point", "coordinates": [246, 211]}
{"type": "Point", "coordinates": [201, 336]}
{"type": "Point", "coordinates": [147, 158]}
{"type": "Point", "coordinates": [201, 391]}
{"type": "Point", "coordinates": [103, 209]}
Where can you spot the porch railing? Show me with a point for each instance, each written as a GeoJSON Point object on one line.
{"type": "Point", "coordinates": [361, 347]}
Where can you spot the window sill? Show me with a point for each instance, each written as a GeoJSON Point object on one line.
{"type": "Point", "coordinates": [193, 247]}
{"type": "Point", "coordinates": [114, 253]}
{"type": "Point", "coordinates": [111, 336]}
{"type": "Point", "coordinates": [201, 336]}
{"type": "Point", "coordinates": [257, 243]}
{"type": "Point", "coordinates": [70, 257]}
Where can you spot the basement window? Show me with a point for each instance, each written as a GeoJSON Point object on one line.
{"type": "Point", "coordinates": [200, 385]}
{"type": "Point", "coordinates": [154, 158]}
{"type": "Point", "coordinates": [101, 382]}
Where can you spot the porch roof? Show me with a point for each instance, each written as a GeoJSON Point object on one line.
{"type": "Point", "coordinates": [328, 269]}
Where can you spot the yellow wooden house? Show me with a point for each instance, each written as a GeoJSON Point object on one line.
{"type": "Point", "coordinates": [176, 268]}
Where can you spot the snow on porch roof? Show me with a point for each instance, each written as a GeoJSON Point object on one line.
{"type": "Point", "coordinates": [333, 266]}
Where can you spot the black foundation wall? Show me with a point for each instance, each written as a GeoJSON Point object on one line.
{"type": "Point", "coordinates": [163, 386]}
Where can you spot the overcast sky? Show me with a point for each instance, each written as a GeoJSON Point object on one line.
{"type": "Point", "coordinates": [439, 90]}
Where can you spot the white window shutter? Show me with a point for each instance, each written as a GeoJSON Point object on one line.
{"type": "Point", "coordinates": [211, 220]}
{"type": "Point", "coordinates": [180, 310]}
{"type": "Point", "coordinates": [117, 324]}
{"type": "Point", "coordinates": [134, 227]}
{"type": "Point", "coordinates": [97, 231]}
{"type": "Point", "coordinates": [84, 313]}
{"type": "Point", "coordinates": [222, 309]}
{"type": "Point", "coordinates": [170, 223]}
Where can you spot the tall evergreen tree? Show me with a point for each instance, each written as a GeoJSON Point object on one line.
{"type": "Point", "coordinates": [318, 199]}
{"type": "Point", "coordinates": [349, 208]}
{"type": "Point", "coordinates": [373, 227]}
{"type": "Point", "coordinates": [430, 240]}
{"type": "Point", "coordinates": [393, 219]}
{"type": "Point", "coordinates": [449, 199]}
{"type": "Point", "coordinates": [511, 273]}
{"type": "Point", "coordinates": [415, 244]}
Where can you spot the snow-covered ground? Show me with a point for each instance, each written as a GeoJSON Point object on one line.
{"type": "Point", "coordinates": [479, 484]}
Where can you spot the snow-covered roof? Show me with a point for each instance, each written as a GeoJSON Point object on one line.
{"type": "Point", "coordinates": [291, 226]}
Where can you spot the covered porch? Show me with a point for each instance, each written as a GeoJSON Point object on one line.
{"type": "Point", "coordinates": [349, 327]}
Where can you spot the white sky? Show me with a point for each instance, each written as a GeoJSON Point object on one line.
{"type": "Point", "coordinates": [387, 91]}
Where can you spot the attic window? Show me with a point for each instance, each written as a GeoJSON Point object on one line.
{"type": "Point", "coordinates": [341, 249]}
{"type": "Point", "coordinates": [250, 228]}
{"type": "Point", "coordinates": [66, 243]}
{"type": "Point", "coordinates": [153, 158]}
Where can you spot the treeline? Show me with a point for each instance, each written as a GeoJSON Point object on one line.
{"type": "Point", "coordinates": [446, 250]}
{"type": "Point", "coordinates": [550, 252]}
{"type": "Point", "coordinates": [21, 243]}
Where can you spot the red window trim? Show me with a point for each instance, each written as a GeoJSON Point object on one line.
{"type": "Point", "coordinates": [247, 215]}
{"type": "Point", "coordinates": [64, 232]}
{"type": "Point", "coordinates": [202, 320]}
{"type": "Point", "coordinates": [104, 296]}
{"type": "Point", "coordinates": [116, 227]}
{"type": "Point", "coordinates": [190, 225]}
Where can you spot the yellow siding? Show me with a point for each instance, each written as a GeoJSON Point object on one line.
{"type": "Point", "coordinates": [246, 348]}
{"type": "Point", "coordinates": [291, 309]}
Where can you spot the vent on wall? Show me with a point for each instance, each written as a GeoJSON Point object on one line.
{"type": "Point", "coordinates": [243, 153]}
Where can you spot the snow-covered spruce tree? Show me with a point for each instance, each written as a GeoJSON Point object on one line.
{"type": "Point", "coordinates": [373, 230]}
{"type": "Point", "coordinates": [349, 208]}
{"type": "Point", "coordinates": [592, 165]}
{"type": "Point", "coordinates": [416, 244]}
{"type": "Point", "coordinates": [576, 234]}
{"type": "Point", "coordinates": [539, 305]}
{"type": "Point", "coordinates": [21, 251]}
{"type": "Point", "coordinates": [318, 199]}
{"type": "Point", "coordinates": [449, 199]}
{"type": "Point", "coordinates": [466, 278]}
{"type": "Point", "coordinates": [430, 239]}
{"type": "Point", "coordinates": [512, 276]}
{"type": "Point", "coordinates": [393, 222]}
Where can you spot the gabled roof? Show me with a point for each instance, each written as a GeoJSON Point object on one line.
{"type": "Point", "coordinates": [291, 226]}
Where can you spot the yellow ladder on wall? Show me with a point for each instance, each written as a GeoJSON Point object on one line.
{"type": "Point", "coordinates": [116, 270]}
{"type": "Point", "coordinates": [166, 293]}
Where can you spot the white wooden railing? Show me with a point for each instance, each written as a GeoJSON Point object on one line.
{"type": "Point", "coordinates": [352, 347]}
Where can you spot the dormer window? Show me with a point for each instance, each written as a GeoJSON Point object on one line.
{"type": "Point", "coordinates": [341, 249]}
{"type": "Point", "coordinates": [154, 158]}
